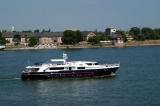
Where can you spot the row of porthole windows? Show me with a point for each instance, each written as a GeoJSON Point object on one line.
{"type": "Point", "coordinates": [67, 68]}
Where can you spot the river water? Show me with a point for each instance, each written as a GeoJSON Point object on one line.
{"type": "Point", "coordinates": [137, 82]}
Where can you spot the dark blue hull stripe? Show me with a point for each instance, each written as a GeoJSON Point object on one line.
{"type": "Point", "coordinates": [68, 74]}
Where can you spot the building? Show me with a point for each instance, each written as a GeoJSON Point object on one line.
{"type": "Point", "coordinates": [44, 37]}
{"type": "Point", "coordinates": [118, 40]}
{"type": "Point", "coordinates": [110, 31]}
{"type": "Point", "coordinates": [91, 34]}
{"type": "Point", "coordinates": [129, 38]}
{"type": "Point", "coordinates": [51, 38]}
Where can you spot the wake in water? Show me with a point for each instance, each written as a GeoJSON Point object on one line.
{"type": "Point", "coordinates": [3, 79]}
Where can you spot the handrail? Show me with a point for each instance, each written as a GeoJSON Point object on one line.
{"type": "Point", "coordinates": [111, 65]}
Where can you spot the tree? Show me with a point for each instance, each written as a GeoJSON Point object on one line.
{"type": "Point", "coordinates": [17, 39]}
{"type": "Point", "coordinates": [148, 33]}
{"type": "Point", "coordinates": [93, 40]}
{"type": "Point", "coordinates": [68, 37]}
{"type": "Point", "coordinates": [78, 36]}
{"type": "Point", "coordinates": [122, 33]}
{"type": "Point", "coordinates": [72, 37]}
{"type": "Point", "coordinates": [36, 31]}
{"type": "Point", "coordinates": [33, 41]}
{"type": "Point", "coordinates": [108, 38]}
{"type": "Point", "coordinates": [135, 32]}
{"type": "Point", "coordinates": [27, 31]}
{"type": "Point", "coordinates": [157, 33]}
{"type": "Point", "coordinates": [103, 36]}
{"type": "Point", "coordinates": [3, 41]}
{"type": "Point", "coordinates": [96, 39]}
{"type": "Point", "coordinates": [49, 30]}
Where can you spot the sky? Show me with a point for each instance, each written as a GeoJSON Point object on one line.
{"type": "Point", "coordinates": [60, 15]}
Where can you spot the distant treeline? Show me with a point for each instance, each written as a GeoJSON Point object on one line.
{"type": "Point", "coordinates": [73, 37]}
{"type": "Point", "coordinates": [145, 33]}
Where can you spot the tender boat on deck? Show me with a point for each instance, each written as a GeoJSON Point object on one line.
{"type": "Point", "coordinates": [61, 68]}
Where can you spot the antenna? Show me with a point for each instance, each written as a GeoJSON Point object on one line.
{"type": "Point", "coordinates": [65, 57]}
{"type": "Point", "coordinates": [12, 28]}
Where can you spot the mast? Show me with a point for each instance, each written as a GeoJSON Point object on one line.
{"type": "Point", "coordinates": [65, 57]}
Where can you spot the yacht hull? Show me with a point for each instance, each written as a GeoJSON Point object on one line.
{"type": "Point", "coordinates": [69, 74]}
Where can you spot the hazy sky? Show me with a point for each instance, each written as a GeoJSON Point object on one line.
{"type": "Point", "coordinates": [59, 15]}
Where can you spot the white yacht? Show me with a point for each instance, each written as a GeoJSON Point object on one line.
{"type": "Point", "coordinates": [61, 68]}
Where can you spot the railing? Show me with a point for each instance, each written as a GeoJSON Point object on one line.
{"type": "Point", "coordinates": [112, 65]}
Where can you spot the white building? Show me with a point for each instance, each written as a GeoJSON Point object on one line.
{"type": "Point", "coordinates": [110, 31]}
{"type": "Point", "coordinates": [91, 34]}
{"type": "Point", "coordinates": [12, 29]}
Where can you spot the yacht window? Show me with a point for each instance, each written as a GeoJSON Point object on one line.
{"type": "Point", "coordinates": [34, 69]}
{"type": "Point", "coordinates": [57, 68]}
{"type": "Point", "coordinates": [96, 64]}
{"type": "Point", "coordinates": [89, 64]}
{"type": "Point", "coordinates": [80, 67]}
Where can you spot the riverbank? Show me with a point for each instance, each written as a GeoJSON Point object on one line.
{"type": "Point", "coordinates": [127, 44]}
{"type": "Point", "coordinates": [143, 43]}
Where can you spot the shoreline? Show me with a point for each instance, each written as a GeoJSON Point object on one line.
{"type": "Point", "coordinates": [127, 44]}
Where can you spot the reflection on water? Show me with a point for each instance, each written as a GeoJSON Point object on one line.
{"type": "Point", "coordinates": [70, 91]}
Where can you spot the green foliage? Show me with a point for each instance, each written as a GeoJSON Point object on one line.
{"type": "Point", "coordinates": [96, 39]}
{"type": "Point", "coordinates": [122, 33]}
{"type": "Point", "coordinates": [36, 31]}
{"type": "Point", "coordinates": [27, 31]}
{"type": "Point", "coordinates": [135, 31]}
{"type": "Point", "coordinates": [2, 40]}
{"type": "Point", "coordinates": [157, 33]}
{"type": "Point", "coordinates": [33, 41]}
{"type": "Point", "coordinates": [108, 38]}
{"type": "Point", "coordinates": [49, 30]}
{"type": "Point", "coordinates": [78, 36]}
{"type": "Point", "coordinates": [148, 33]}
{"type": "Point", "coordinates": [139, 37]}
{"type": "Point", "coordinates": [93, 40]}
{"type": "Point", "coordinates": [145, 33]}
{"type": "Point", "coordinates": [0, 34]}
{"type": "Point", "coordinates": [103, 36]}
{"type": "Point", "coordinates": [17, 39]}
{"type": "Point", "coordinates": [72, 37]}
